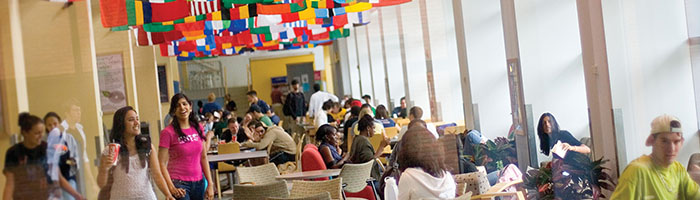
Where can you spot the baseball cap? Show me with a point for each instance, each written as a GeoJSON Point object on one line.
{"type": "Point", "coordinates": [217, 115]}
{"type": "Point", "coordinates": [665, 124]}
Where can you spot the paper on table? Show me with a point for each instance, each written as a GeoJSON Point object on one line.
{"type": "Point", "coordinates": [559, 149]}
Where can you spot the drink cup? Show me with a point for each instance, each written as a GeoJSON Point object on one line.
{"type": "Point", "coordinates": [114, 148]}
{"type": "Point", "coordinates": [233, 138]}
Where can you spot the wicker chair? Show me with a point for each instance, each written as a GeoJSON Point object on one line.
{"type": "Point", "coordinates": [319, 196]}
{"type": "Point", "coordinates": [258, 175]}
{"type": "Point", "coordinates": [355, 178]}
{"type": "Point", "coordinates": [302, 189]}
{"type": "Point", "coordinates": [261, 191]}
{"type": "Point", "coordinates": [478, 185]}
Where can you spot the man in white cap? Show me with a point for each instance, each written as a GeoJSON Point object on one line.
{"type": "Point", "coordinates": [659, 175]}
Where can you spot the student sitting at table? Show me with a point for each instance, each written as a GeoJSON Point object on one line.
{"type": "Point", "coordinates": [234, 129]}
{"type": "Point", "coordinates": [383, 116]}
{"type": "Point", "coordinates": [330, 147]}
{"type": "Point", "coordinates": [282, 146]}
{"type": "Point", "coordinates": [257, 114]}
{"type": "Point", "coordinates": [362, 150]}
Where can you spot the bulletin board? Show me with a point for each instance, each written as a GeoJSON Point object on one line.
{"type": "Point", "coordinates": [110, 74]}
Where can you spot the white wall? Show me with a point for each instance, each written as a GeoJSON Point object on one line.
{"type": "Point", "coordinates": [445, 64]}
{"type": "Point", "coordinates": [393, 54]}
{"type": "Point", "coordinates": [650, 70]}
{"type": "Point", "coordinates": [550, 51]}
{"type": "Point", "coordinates": [487, 65]}
{"type": "Point", "coordinates": [378, 75]}
{"type": "Point", "coordinates": [415, 56]}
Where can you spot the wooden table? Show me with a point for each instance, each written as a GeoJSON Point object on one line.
{"type": "Point", "coordinates": [232, 157]}
{"type": "Point", "coordinates": [237, 156]}
{"type": "Point", "coordinates": [310, 174]}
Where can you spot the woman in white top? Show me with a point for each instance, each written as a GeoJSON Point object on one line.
{"type": "Point", "coordinates": [422, 163]}
{"type": "Point", "coordinates": [130, 178]}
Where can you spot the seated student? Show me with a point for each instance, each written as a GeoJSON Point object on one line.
{"type": "Point", "coordinates": [283, 148]}
{"type": "Point", "coordinates": [424, 174]}
{"type": "Point", "coordinates": [362, 150]}
{"type": "Point", "coordinates": [330, 147]}
{"type": "Point", "coordinates": [417, 113]}
{"type": "Point", "coordinates": [264, 107]}
{"type": "Point", "coordinates": [337, 112]}
{"type": "Point", "coordinates": [234, 128]}
{"type": "Point", "coordinates": [400, 112]}
{"type": "Point", "coordinates": [365, 110]}
{"type": "Point", "coordinates": [257, 114]}
{"type": "Point", "coordinates": [347, 127]}
{"type": "Point", "coordinates": [383, 116]}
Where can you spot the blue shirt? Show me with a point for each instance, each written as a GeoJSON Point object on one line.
{"type": "Point", "coordinates": [210, 107]}
{"type": "Point", "coordinates": [263, 106]}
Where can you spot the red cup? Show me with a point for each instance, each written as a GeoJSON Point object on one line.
{"type": "Point", "coordinates": [233, 138]}
{"type": "Point", "coordinates": [114, 148]}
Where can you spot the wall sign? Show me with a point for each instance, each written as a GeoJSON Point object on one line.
{"type": "Point", "coordinates": [110, 74]}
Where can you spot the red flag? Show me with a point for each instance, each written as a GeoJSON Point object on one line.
{"type": "Point", "coordinates": [113, 13]}
{"type": "Point", "coordinates": [172, 35]}
{"type": "Point", "coordinates": [163, 12]}
{"type": "Point", "coordinates": [340, 20]}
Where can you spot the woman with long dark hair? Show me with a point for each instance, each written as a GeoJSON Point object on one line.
{"type": "Point", "coordinates": [182, 154]}
{"type": "Point", "coordinates": [556, 141]}
{"type": "Point", "coordinates": [130, 178]}
{"type": "Point", "coordinates": [549, 133]}
{"type": "Point", "coordinates": [330, 147]}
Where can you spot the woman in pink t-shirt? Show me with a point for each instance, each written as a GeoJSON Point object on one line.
{"type": "Point", "coordinates": [181, 153]}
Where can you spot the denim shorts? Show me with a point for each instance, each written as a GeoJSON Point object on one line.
{"type": "Point", "coordinates": [194, 190]}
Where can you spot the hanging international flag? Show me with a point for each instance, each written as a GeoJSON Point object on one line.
{"type": "Point", "coordinates": [201, 7]}
{"type": "Point", "coordinates": [169, 10]}
{"type": "Point", "coordinates": [113, 13]}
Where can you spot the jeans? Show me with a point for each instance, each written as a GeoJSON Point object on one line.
{"type": "Point", "coordinates": [194, 190]}
{"type": "Point", "coordinates": [66, 195]}
{"type": "Point", "coordinates": [282, 157]}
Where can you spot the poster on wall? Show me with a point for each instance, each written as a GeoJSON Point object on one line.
{"type": "Point", "coordinates": [163, 84]}
{"type": "Point", "coordinates": [110, 74]}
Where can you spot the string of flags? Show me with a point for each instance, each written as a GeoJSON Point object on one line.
{"type": "Point", "coordinates": [200, 29]}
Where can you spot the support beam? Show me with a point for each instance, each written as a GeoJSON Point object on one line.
{"type": "Point", "coordinates": [595, 69]}
{"type": "Point", "coordinates": [369, 59]}
{"type": "Point", "coordinates": [467, 102]}
{"type": "Point", "coordinates": [428, 61]}
{"type": "Point", "coordinates": [357, 54]}
{"type": "Point", "coordinates": [389, 104]}
{"type": "Point", "coordinates": [524, 140]}
{"type": "Point", "coordinates": [404, 66]}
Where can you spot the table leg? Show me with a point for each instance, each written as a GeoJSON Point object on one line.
{"type": "Point", "coordinates": [217, 182]}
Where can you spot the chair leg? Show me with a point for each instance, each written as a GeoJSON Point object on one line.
{"type": "Point", "coordinates": [374, 189]}
{"type": "Point", "coordinates": [217, 182]}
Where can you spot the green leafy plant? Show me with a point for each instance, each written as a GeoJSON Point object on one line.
{"type": "Point", "coordinates": [578, 179]}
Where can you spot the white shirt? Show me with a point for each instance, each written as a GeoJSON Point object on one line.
{"type": "Point", "coordinates": [79, 127]}
{"type": "Point", "coordinates": [431, 128]}
{"type": "Point", "coordinates": [416, 184]}
{"type": "Point", "coordinates": [317, 99]}
{"type": "Point", "coordinates": [320, 119]}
